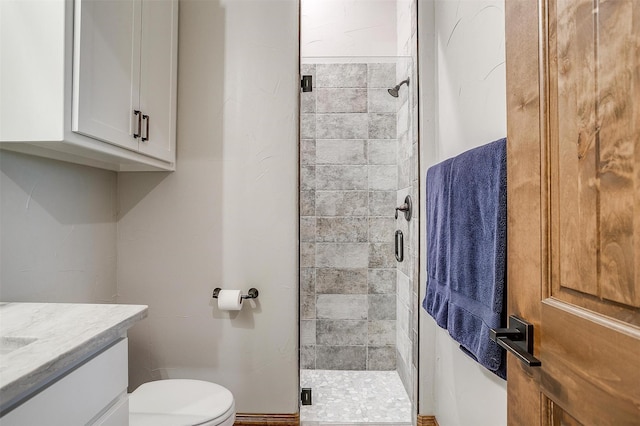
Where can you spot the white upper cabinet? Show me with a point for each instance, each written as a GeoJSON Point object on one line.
{"type": "Point", "coordinates": [158, 82]}
{"type": "Point", "coordinates": [125, 74]}
{"type": "Point", "coordinates": [92, 82]}
{"type": "Point", "coordinates": [106, 72]}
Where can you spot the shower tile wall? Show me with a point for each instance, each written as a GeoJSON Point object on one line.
{"type": "Point", "coordinates": [349, 179]}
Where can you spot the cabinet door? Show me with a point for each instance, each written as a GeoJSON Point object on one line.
{"type": "Point", "coordinates": [106, 70]}
{"type": "Point", "coordinates": [158, 78]}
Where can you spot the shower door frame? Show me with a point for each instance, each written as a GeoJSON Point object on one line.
{"type": "Point", "coordinates": [416, 193]}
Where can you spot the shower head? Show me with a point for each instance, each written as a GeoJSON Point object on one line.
{"type": "Point", "coordinates": [394, 92]}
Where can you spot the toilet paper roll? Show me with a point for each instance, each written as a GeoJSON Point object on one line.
{"type": "Point", "coordinates": [229, 300]}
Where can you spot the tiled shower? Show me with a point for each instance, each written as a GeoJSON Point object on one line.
{"type": "Point", "coordinates": [358, 151]}
{"type": "Point", "coordinates": [348, 195]}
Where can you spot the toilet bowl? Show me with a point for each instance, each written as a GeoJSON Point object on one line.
{"type": "Point", "coordinates": [181, 402]}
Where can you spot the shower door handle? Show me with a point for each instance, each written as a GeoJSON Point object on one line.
{"type": "Point", "coordinates": [399, 246]}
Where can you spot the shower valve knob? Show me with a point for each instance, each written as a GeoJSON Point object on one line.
{"type": "Point", "coordinates": [406, 208]}
{"type": "Point", "coordinates": [402, 208]}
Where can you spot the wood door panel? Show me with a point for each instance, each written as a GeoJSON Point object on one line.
{"type": "Point", "coordinates": [619, 133]}
{"type": "Point", "coordinates": [525, 253]}
{"type": "Point", "coordinates": [523, 389]}
{"type": "Point", "coordinates": [559, 417]}
{"type": "Point", "coordinates": [597, 358]}
{"type": "Point", "coordinates": [593, 137]}
{"type": "Point", "coordinates": [574, 209]}
{"type": "Point", "coordinates": [573, 94]}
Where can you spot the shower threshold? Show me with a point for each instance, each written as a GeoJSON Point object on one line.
{"type": "Point", "coordinates": [355, 398]}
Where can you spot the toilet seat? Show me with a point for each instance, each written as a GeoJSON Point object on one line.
{"type": "Point", "coordinates": [181, 402]}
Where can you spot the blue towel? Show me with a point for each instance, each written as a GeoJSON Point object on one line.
{"type": "Point", "coordinates": [466, 249]}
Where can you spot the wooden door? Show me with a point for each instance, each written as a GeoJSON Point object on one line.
{"type": "Point", "coordinates": [573, 88]}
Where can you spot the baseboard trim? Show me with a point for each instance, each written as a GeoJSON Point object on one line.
{"type": "Point", "coordinates": [294, 420]}
{"type": "Point", "coordinates": [427, 420]}
{"type": "Point", "coordinates": [267, 419]}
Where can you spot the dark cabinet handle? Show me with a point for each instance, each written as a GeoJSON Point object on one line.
{"type": "Point", "coordinates": [146, 136]}
{"type": "Point", "coordinates": [517, 339]}
{"type": "Point", "coordinates": [138, 114]}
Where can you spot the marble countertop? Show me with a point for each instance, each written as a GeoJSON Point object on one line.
{"type": "Point", "coordinates": [41, 341]}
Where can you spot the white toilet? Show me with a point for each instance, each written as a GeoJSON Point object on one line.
{"type": "Point", "coordinates": [179, 402]}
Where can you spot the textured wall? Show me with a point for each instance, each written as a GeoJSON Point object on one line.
{"type": "Point", "coordinates": [348, 183]}
{"type": "Point", "coordinates": [348, 28]}
{"type": "Point", "coordinates": [227, 217]}
{"type": "Point", "coordinates": [57, 231]}
{"type": "Point", "coordinates": [463, 105]}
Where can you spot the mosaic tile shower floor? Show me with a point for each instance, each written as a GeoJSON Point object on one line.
{"type": "Point", "coordinates": [355, 398]}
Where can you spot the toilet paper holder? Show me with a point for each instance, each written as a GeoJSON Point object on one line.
{"type": "Point", "coordinates": [251, 294]}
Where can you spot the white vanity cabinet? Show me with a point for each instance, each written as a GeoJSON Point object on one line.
{"type": "Point", "coordinates": [93, 393]}
{"type": "Point", "coordinates": [91, 82]}
{"type": "Point", "coordinates": [64, 364]}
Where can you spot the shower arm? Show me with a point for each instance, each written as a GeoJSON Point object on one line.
{"type": "Point", "coordinates": [403, 82]}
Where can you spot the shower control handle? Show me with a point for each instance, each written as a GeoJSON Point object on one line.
{"type": "Point", "coordinates": [402, 208]}
{"type": "Point", "coordinates": [406, 208]}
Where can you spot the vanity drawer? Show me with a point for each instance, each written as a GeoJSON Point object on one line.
{"type": "Point", "coordinates": [80, 396]}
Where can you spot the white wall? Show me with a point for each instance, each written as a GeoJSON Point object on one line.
{"type": "Point", "coordinates": [406, 27]}
{"type": "Point", "coordinates": [57, 231]}
{"type": "Point", "coordinates": [227, 217]}
{"type": "Point", "coordinates": [344, 28]}
{"type": "Point", "coordinates": [463, 105]}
